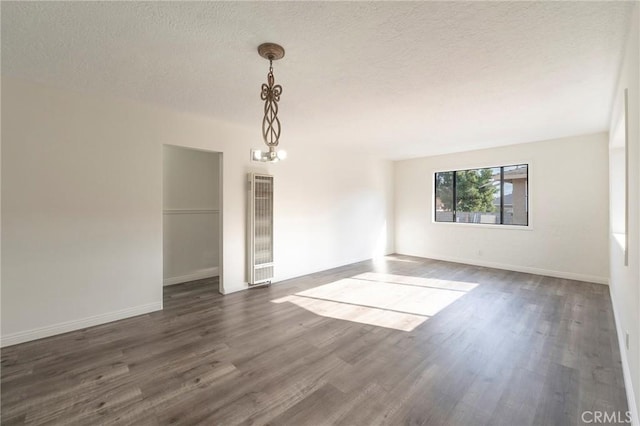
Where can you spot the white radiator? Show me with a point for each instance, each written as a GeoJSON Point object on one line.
{"type": "Point", "coordinates": [260, 229]}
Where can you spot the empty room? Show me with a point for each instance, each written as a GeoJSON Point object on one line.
{"type": "Point", "coordinates": [320, 213]}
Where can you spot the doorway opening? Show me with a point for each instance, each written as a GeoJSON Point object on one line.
{"type": "Point", "coordinates": [192, 216]}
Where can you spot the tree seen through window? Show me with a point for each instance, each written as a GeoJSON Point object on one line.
{"type": "Point", "coordinates": [476, 195]}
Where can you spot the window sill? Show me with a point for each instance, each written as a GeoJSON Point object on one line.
{"type": "Point", "coordinates": [485, 225]}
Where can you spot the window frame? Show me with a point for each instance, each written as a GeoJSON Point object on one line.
{"type": "Point", "coordinates": [529, 197]}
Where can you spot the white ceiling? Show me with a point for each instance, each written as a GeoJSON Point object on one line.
{"type": "Point", "coordinates": [404, 79]}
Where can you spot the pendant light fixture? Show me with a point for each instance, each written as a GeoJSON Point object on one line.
{"type": "Point", "coordinates": [270, 94]}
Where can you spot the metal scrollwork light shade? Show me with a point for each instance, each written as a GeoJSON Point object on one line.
{"type": "Point", "coordinates": [270, 94]}
{"type": "Point", "coordinates": [270, 123]}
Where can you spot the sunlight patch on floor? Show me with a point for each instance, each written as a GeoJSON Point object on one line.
{"type": "Point", "coordinates": [384, 300]}
{"type": "Point", "coordinates": [356, 313]}
{"type": "Point", "coordinates": [418, 281]}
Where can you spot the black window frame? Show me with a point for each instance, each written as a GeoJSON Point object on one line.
{"type": "Point", "coordinates": [454, 196]}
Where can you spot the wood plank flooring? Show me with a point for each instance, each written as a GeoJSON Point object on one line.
{"type": "Point", "coordinates": [511, 349]}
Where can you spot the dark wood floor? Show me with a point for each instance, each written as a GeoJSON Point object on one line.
{"type": "Point", "coordinates": [511, 349]}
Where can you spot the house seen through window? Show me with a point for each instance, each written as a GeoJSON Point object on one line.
{"type": "Point", "coordinates": [492, 195]}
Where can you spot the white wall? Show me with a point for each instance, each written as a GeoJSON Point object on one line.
{"type": "Point", "coordinates": [330, 209]}
{"type": "Point", "coordinates": [191, 216]}
{"type": "Point", "coordinates": [568, 196]}
{"type": "Point", "coordinates": [82, 206]}
{"type": "Point", "coordinates": [625, 280]}
{"type": "Point", "coordinates": [81, 215]}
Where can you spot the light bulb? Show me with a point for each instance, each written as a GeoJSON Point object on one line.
{"type": "Point", "coordinates": [282, 154]}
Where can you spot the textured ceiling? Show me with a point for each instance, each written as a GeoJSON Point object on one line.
{"type": "Point", "coordinates": [403, 79]}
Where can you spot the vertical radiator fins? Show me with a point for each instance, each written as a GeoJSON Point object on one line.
{"type": "Point", "coordinates": [260, 229]}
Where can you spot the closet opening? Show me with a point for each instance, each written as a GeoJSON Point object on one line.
{"type": "Point", "coordinates": [192, 217]}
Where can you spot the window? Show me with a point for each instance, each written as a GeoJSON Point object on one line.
{"type": "Point", "coordinates": [492, 195]}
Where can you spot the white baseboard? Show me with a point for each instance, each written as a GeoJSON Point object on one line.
{"type": "Point", "coordinates": [525, 269]}
{"type": "Point", "coordinates": [628, 384]}
{"type": "Point", "coordinates": [198, 275]}
{"type": "Point", "coordinates": [64, 327]}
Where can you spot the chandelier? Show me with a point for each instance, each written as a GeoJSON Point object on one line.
{"type": "Point", "coordinates": [270, 94]}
